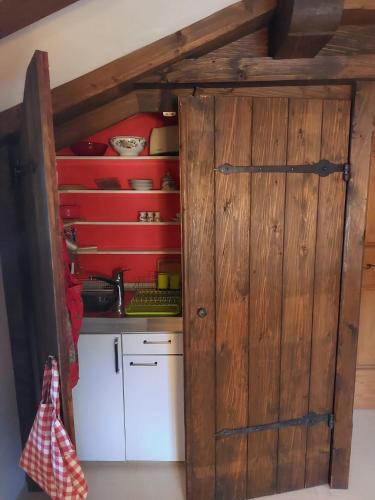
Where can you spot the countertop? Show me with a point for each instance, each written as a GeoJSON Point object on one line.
{"type": "Point", "coordinates": [117, 325]}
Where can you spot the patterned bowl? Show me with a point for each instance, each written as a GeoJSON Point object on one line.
{"type": "Point", "coordinates": [128, 145]}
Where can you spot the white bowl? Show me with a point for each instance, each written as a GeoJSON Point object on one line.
{"type": "Point", "coordinates": [128, 145]}
{"type": "Point", "coordinates": [141, 184]}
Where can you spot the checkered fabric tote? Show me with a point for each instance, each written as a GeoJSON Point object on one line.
{"type": "Point", "coordinates": [49, 457]}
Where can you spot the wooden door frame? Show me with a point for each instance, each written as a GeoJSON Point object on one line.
{"type": "Point", "coordinates": [362, 128]}
{"type": "Point", "coordinates": [361, 132]}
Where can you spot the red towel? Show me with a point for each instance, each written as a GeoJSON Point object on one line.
{"type": "Point", "coordinates": [74, 315]}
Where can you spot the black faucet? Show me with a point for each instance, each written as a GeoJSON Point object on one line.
{"type": "Point", "coordinates": [118, 282]}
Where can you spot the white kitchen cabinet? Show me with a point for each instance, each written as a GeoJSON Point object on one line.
{"type": "Point", "coordinates": [154, 407]}
{"type": "Point", "coordinates": [98, 399]}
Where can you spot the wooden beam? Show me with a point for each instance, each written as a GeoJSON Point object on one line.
{"type": "Point", "coordinates": [207, 34]}
{"type": "Point", "coordinates": [146, 101]}
{"type": "Point", "coordinates": [358, 12]}
{"type": "Point", "coordinates": [360, 157]}
{"type": "Point", "coordinates": [301, 28]}
{"type": "Point", "coordinates": [265, 69]}
{"type": "Point", "coordinates": [16, 14]}
{"type": "Point", "coordinates": [288, 91]}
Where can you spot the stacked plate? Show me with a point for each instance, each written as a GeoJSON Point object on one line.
{"type": "Point", "coordinates": [141, 184]}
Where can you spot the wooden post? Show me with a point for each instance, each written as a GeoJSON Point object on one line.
{"type": "Point", "coordinates": [360, 156]}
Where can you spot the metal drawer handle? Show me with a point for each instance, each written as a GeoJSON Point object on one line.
{"type": "Point", "coordinates": [155, 363]}
{"type": "Point", "coordinates": [157, 341]}
{"type": "Point", "coordinates": [117, 366]}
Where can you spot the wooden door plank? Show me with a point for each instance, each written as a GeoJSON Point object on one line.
{"type": "Point", "coordinates": [43, 231]}
{"type": "Point", "coordinates": [332, 193]}
{"type": "Point", "coordinates": [197, 190]}
{"type": "Point", "coordinates": [269, 147]}
{"type": "Point", "coordinates": [360, 158]}
{"type": "Point", "coordinates": [304, 136]}
{"type": "Point", "coordinates": [232, 217]}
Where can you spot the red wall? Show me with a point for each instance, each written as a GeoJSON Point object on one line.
{"type": "Point", "coordinates": [122, 207]}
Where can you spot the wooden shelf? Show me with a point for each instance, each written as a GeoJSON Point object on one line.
{"type": "Point", "coordinates": [119, 223]}
{"type": "Point", "coordinates": [115, 191]}
{"type": "Point", "coordinates": [129, 252]}
{"type": "Point", "coordinates": [118, 158]}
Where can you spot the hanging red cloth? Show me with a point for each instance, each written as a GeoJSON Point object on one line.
{"type": "Point", "coordinates": [74, 315]}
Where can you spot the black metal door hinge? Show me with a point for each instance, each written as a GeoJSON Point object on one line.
{"type": "Point", "coordinates": [308, 420]}
{"type": "Point", "coordinates": [323, 168]}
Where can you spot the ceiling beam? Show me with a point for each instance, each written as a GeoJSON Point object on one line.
{"type": "Point", "coordinates": [301, 28]}
{"type": "Point", "coordinates": [86, 124]}
{"type": "Point", "coordinates": [16, 14]}
{"type": "Point", "coordinates": [109, 81]}
{"type": "Point", "coordinates": [358, 12]}
{"type": "Point", "coordinates": [266, 69]}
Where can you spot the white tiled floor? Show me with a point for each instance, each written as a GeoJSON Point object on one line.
{"type": "Point", "coordinates": [165, 481]}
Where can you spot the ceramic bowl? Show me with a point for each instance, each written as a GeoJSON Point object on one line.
{"type": "Point", "coordinates": [128, 145]}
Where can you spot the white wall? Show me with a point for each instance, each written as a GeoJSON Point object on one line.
{"type": "Point", "coordinates": [11, 476]}
{"type": "Point", "coordinates": [90, 33]}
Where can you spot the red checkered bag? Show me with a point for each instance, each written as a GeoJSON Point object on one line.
{"type": "Point", "coordinates": [49, 457]}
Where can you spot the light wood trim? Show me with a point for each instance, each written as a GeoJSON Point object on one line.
{"type": "Point", "coordinates": [291, 91]}
{"type": "Point", "coordinates": [365, 388]}
{"type": "Point", "coordinates": [360, 157]}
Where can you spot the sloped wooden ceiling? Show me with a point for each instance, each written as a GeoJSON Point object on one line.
{"type": "Point", "coordinates": [17, 14]}
{"type": "Point", "coordinates": [228, 47]}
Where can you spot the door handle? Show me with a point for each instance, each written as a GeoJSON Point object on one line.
{"type": "Point", "coordinates": [201, 311]}
{"type": "Point", "coordinates": [155, 363]}
{"type": "Point", "coordinates": [157, 341]}
{"type": "Point", "coordinates": [117, 365]}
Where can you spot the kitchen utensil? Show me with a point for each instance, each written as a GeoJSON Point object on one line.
{"type": "Point", "coordinates": [168, 183]}
{"type": "Point", "coordinates": [142, 217]}
{"type": "Point", "coordinates": [156, 216]}
{"type": "Point", "coordinates": [154, 303]}
{"type": "Point", "coordinates": [163, 281]}
{"type": "Point", "coordinates": [89, 148]}
{"type": "Point", "coordinates": [128, 145]}
{"type": "Point", "coordinates": [141, 184]}
{"type": "Point", "coordinates": [108, 183]}
{"type": "Point", "coordinates": [175, 281]}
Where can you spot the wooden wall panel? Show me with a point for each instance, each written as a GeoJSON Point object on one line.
{"type": "Point", "coordinates": [365, 384]}
{"type": "Point", "coordinates": [331, 207]}
{"type": "Point", "coordinates": [232, 217]}
{"type": "Point", "coordinates": [197, 183]}
{"type": "Point", "coordinates": [270, 120]}
{"type": "Point", "coordinates": [366, 340]}
{"type": "Point", "coordinates": [368, 271]}
{"type": "Point", "coordinates": [365, 388]}
{"type": "Point", "coordinates": [304, 136]}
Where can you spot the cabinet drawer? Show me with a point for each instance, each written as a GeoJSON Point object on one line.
{"type": "Point", "coordinates": [152, 343]}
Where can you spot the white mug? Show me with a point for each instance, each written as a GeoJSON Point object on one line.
{"type": "Point", "coordinates": [142, 217]}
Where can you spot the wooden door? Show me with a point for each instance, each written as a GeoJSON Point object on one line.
{"type": "Point", "coordinates": [42, 245]}
{"type": "Point", "coordinates": [262, 267]}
